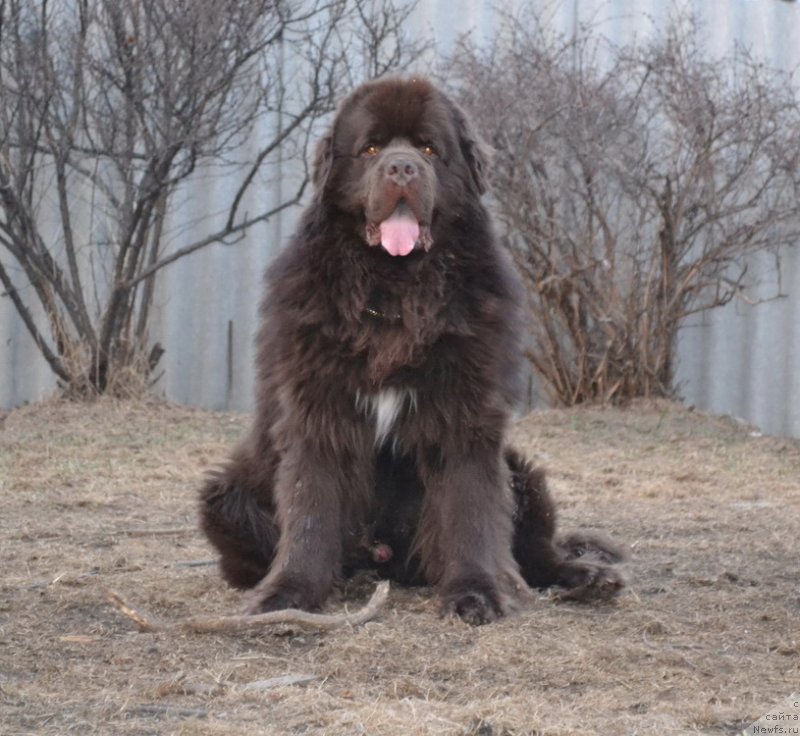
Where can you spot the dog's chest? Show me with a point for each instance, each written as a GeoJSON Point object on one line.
{"type": "Point", "coordinates": [384, 408]}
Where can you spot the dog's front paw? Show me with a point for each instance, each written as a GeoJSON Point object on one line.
{"type": "Point", "coordinates": [277, 595]}
{"type": "Point", "coordinates": [474, 601]}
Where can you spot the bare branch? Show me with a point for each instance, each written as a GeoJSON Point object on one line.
{"type": "Point", "coordinates": [219, 236]}
{"type": "Point", "coordinates": [236, 624]}
{"type": "Point", "coordinates": [27, 318]}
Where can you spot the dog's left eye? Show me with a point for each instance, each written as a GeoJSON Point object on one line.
{"type": "Point", "coordinates": [428, 149]}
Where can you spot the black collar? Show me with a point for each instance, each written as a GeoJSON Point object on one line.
{"type": "Point", "coordinates": [392, 317]}
{"type": "Point", "coordinates": [382, 306]}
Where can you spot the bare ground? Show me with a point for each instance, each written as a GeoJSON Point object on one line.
{"type": "Point", "coordinates": [103, 496]}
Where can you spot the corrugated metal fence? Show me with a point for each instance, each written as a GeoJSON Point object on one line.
{"type": "Point", "coordinates": [741, 360]}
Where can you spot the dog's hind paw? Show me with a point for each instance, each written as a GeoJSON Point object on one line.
{"type": "Point", "coordinates": [590, 580]}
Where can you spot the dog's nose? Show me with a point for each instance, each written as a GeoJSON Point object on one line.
{"type": "Point", "coordinates": [401, 171]}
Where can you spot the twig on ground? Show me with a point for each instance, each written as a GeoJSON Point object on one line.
{"type": "Point", "coordinates": [260, 686]}
{"type": "Point", "coordinates": [195, 563]}
{"type": "Point", "coordinates": [165, 709]}
{"type": "Point", "coordinates": [144, 621]}
{"type": "Point", "coordinates": [154, 532]}
{"type": "Point", "coordinates": [227, 624]}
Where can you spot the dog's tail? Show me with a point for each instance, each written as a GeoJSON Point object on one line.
{"type": "Point", "coordinates": [238, 520]}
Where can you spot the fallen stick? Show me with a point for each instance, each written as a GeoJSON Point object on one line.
{"type": "Point", "coordinates": [144, 621]}
{"type": "Point", "coordinates": [248, 622]}
{"type": "Point", "coordinates": [151, 532]}
{"type": "Point", "coordinates": [159, 709]}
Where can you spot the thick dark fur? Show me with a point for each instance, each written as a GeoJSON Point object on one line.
{"type": "Point", "coordinates": [349, 333]}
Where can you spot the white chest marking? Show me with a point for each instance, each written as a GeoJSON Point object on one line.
{"type": "Point", "coordinates": [385, 407]}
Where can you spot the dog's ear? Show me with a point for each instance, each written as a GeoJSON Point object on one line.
{"type": "Point", "coordinates": [323, 160]}
{"type": "Point", "coordinates": [477, 153]}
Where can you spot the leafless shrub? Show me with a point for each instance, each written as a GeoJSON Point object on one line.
{"type": "Point", "coordinates": [632, 190]}
{"type": "Point", "coordinates": [108, 108]}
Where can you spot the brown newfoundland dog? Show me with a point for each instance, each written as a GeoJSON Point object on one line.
{"type": "Point", "coordinates": [388, 365]}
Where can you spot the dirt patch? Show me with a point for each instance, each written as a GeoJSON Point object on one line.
{"type": "Point", "coordinates": [103, 496]}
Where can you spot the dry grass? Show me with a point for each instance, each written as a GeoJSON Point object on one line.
{"type": "Point", "coordinates": [103, 496]}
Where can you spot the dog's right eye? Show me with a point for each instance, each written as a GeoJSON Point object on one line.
{"type": "Point", "coordinates": [371, 150]}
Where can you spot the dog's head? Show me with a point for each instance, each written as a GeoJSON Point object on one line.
{"type": "Point", "coordinates": [400, 157]}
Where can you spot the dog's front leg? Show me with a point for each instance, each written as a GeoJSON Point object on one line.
{"type": "Point", "coordinates": [466, 531]}
{"type": "Point", "coordinates": [317, 493]}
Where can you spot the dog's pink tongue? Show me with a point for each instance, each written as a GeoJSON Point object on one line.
{"type": "Point", "coordinates": [400, 232]}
